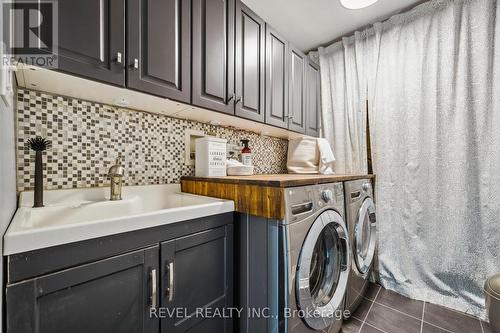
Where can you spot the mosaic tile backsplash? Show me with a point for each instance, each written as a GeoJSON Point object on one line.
{"type": "Point", "coordinates": [87, 137]}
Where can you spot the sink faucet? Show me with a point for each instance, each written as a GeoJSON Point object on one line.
{"type": "Point", "coordinates": [116, 173]}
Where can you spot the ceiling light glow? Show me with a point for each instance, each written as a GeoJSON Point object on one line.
{"type": "Point", "coordinates": [357, 4]}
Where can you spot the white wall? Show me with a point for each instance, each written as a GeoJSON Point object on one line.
{"type": "Point", "coordinates": [8, 198]}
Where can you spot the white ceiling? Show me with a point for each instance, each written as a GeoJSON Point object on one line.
{"type": "Point", "coordinates": [310, 23]}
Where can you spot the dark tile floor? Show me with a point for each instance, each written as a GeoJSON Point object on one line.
{"type": "Point", "coordinates": [384, 311]}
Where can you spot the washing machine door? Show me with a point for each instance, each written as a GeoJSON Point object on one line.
{"type": "Point", "coordinates": [365, 236]}
{"type": "Point", "coordinates": [323, 270]}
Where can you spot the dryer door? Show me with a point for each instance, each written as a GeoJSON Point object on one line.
{"type": "Point", "coordinates": [365, 236]}
{"type": "Point", "coordinates": [323, 269]}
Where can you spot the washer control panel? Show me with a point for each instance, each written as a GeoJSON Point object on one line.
{"type": "Point", "coordinates": [327, 196]}
{"type": "Point", "coordinates": [330, 194]}
{"type": "Point", "coordinates": [304, 201]}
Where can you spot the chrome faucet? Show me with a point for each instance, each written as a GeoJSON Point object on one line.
{"type": "Point", "coordinates": [116, 173]}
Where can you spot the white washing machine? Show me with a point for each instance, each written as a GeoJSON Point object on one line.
{"type": "Point", "coordinates": [315, 259]}
{"type": "Point", "coordinates": [361, 224]}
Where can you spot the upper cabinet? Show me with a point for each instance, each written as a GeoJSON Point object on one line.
{"type": "Point", "coordinates": [297, 90]}
{"type": "Point", "coordinates": [250, 64]}
{"type": "Point", "coordinates": [276, 79]}
{"type": "Point", "coordinates": [159, 47]}
{"type": "Point", "coordinates": [92, 39]}
{"type": "Point", "coordinates": [313, 99]}
{"type": "Point", "coordinates": [213, 54]}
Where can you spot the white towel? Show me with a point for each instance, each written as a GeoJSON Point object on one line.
{"type": "Point", "coordinates": [310, 155]}
{"type": "Point", "coordinates": [326, 157]}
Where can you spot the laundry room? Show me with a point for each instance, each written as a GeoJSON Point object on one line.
{"type": "Point", "coordinates": [249, 166]}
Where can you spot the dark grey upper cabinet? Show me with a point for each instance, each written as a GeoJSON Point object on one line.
{"type": "Point", "coordinates": [250, 64]}
{"type": "Point", "coordinates": [197, 273]}
{"type": "Point", "coordinates": [92, 39]}
{"type": "Point", "coordinates": [297, 90]}
{"type": "Point", "coordinates": [111, 295]}
{"type": "Point", "coordinates": [159, 39]}
{"type": "Point", "coordinates": [276, 79]}
{"type": "Point", "coordinates": [313, 99]}
{"type": "Point", "coordinates": [213, 54]}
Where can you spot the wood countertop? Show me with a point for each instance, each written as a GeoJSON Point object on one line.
{"type": "Point", "coordinates": [259, 195]}
{"type": "Point", "coordinates": [279, 180]}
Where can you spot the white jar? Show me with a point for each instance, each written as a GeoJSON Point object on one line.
{"type": "Point", "coordinates": [210, 157]}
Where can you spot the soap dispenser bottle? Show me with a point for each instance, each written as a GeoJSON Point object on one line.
{"type": "Point", "coordinates": [246, 153]}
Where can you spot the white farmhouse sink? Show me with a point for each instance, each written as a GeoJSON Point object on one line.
{"type": "Point", "coordinates": [79, 214]}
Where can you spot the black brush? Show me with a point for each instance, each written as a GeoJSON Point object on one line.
{"type": "Point", "coordinates": [39, 145]}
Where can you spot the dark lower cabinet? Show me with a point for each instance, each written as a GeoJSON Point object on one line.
{"type": "Point", "coordinates": [213, 54]}
{"type": "Point", "coordinates": [297, 90]}
{"type": "Point", "coordinates": [91, 37]}
{"type": "Point", "coordinates": [250, 64]}
{"type": "Point", "coordinates": [159, 47]}
{"type": "Point", "coordinates": [313, 99]}
{"type": "Point", "coordinates": [276, 79]}
{"type": "Point", "coordinates": [197, 275]}
{"type": "Point", "coordinates": [175, 285]}
{"type": "Point", "coordinates": [111, 295]}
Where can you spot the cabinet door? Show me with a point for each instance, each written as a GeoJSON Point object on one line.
{"type": "Point", "coordinates": [197, 273]}
{"type": "Point", "coordinates": [213, 54]}
{"type": "Point", "coordinates": [92, 39]}
{"type": "Point", "coordinates": [297, 90]}
{"type": "Point", "coordinates": [159, 52]}
{"type": "Point", "coordinates": [111, 295]}
{"type": "Point", "coordinates": [276, 79]}
{"type": "Point", "coordinates": [313, 99]}
{"type": "Point", "coordinates": [250, 64]}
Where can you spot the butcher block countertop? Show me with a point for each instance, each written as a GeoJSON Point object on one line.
{"type": "Point", "coordinates": [259, 195]}
{"type": "Point", "coordinates": [281, 180]}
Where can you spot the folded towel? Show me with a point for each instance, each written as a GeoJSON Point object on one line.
{"type": "Point", "coordinates": [303, 155]}
{"type": "Point", "coordinates": [326, 157]}
{"type": "Point", "coordinates": [310, 155]}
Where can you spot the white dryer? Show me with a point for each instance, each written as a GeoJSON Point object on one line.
{"type": "Point", "coordinates": [315, 259]}
{"type": "Point", "coordinates": [361, 225]}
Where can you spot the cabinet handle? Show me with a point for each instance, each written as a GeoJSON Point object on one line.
{"type": "Point", "coordinates": [237, 100]}
{"type": "Point", "coordinates": [135, 65]}
{"type": "Point", "coordinates": [170, 284]}
{"type": "Point", "coordinates": [154, 289]}
{"type": "Point", "coordinates": [230, 98]}
{"type": "Point", "coordinates": [119, 57]}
